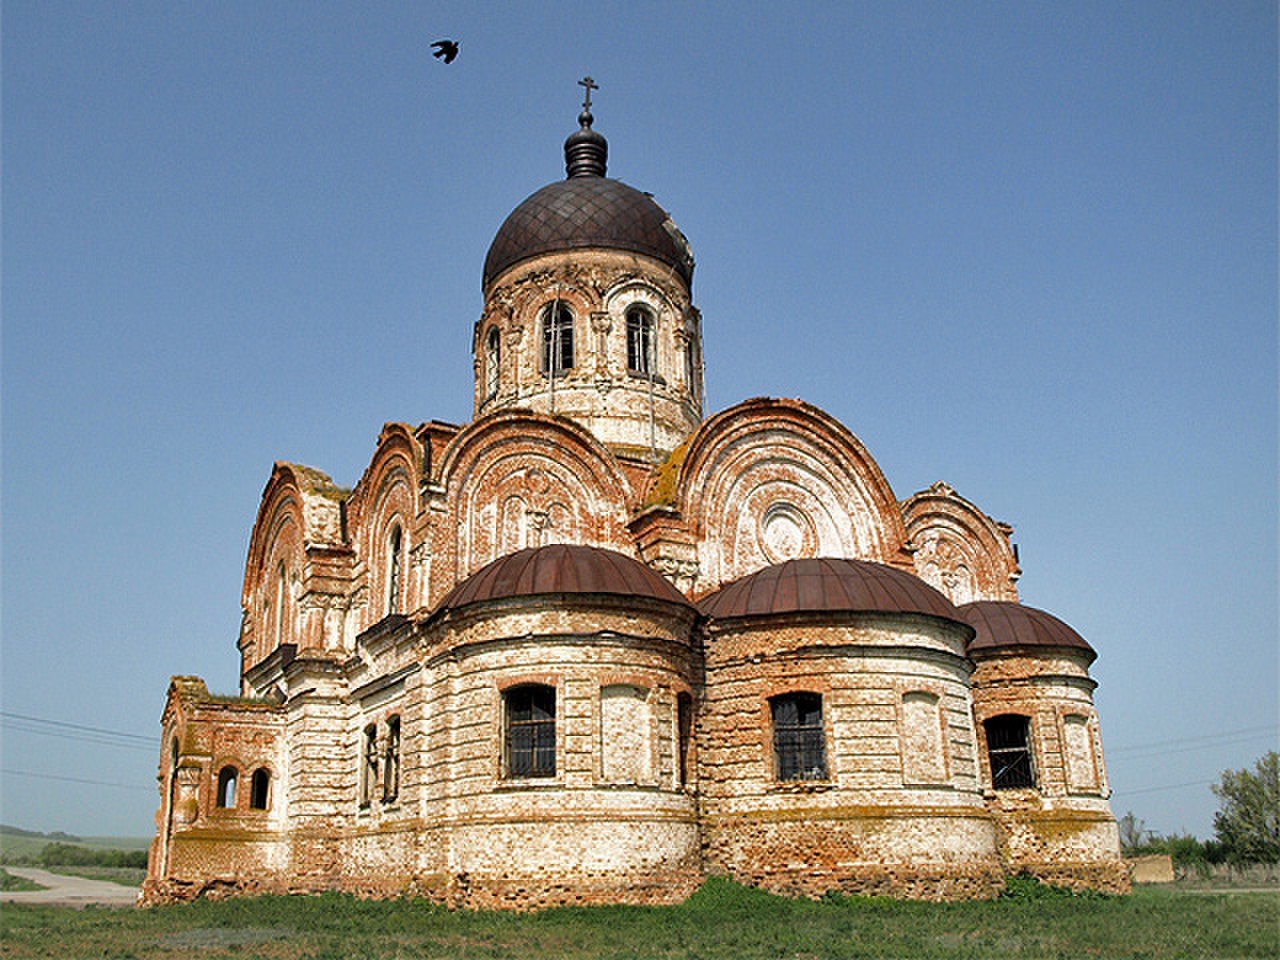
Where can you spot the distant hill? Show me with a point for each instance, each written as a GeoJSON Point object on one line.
{"type": "Point", "coordinates": [58, 835]}
{"type": "Point", "coordinates": [17, 844]}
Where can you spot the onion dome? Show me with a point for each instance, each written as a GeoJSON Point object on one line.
{"type": "Point", "coordinates": [1001, 625]}
{"type": "Point", "coordinates": [827, 585]}
{"type": "Point", "coordinates": [587, 209]}
{"type": "Point", "coordinates": [561, 569]}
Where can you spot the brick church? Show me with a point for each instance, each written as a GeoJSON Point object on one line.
{"type": "Point", "coordinates": [595, 645]}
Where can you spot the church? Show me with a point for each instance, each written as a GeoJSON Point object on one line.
{"type": "Point", "coordinates": [596, 645]}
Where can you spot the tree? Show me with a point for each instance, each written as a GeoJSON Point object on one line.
{"type": "Point", "coordinates": [1133, 833]}
{"type": "Point", "coordinates": [1248, 821]}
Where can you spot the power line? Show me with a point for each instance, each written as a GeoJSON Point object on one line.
{"type": "Point", "coordinates": [1195, 743]}
{"type": "Point", "coordinates": [95, 783]}
{"type": "Point", "coordinates": [80, 726]}
{"type": "Point", "coordinates": [102, 741]}
{"type": "Point", "coordinates": [1171, 786]}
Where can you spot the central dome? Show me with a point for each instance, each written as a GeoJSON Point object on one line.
{"type": "Point", "coordinates": [587, 209]}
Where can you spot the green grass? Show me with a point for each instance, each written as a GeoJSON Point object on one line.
{"type": "Point", "coordinates": [722, 920]}
{"type": "Point", "coordinates": [9, 882]}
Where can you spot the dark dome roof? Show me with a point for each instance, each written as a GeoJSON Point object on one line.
{"type": "Point", "coordinates": [999, 624]}
{"type": "Point", "coordinates": [559, 569]}
{"type": "Point", "coordinates": [827, 585]}
{"type": "Point", "coordinates": [588, 210]}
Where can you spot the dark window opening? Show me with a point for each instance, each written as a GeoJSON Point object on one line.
{"type": "Point", "coordinates": [799, 744]}
{"type": "Point", "coordinates": [684, 734]}
{"type": "Point", "coordinates": [391, 761]}
{"type": "Point", "coordinates": [228, 777]}
{"type": "Point", "coordinates": [1009, 750]}
{"type": "Point", "coordinates": [640, 341]}
{"type": "Point", "coordinates": [531, 731]}
{"type": "Point", "coordinates": [395, 551]}
{"type": "Point", "coordinates": [259, 789]}
{"type": "Point", "coordinates": [557, 339]}
{"type": "Point", "coordinates": [492, 362]}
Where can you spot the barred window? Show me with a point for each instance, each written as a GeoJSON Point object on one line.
{"type": "Point", "coordinates": [530, 731]}
{"type": "Point", "coordinates": [1009, 750]}
{"type": "Point", "coordinates": [799, 743]}
{"type": "Point", "coordinates": [557, 339]}
{"type": "Point", "coordinates": [395, 568]}
{"type": "Point", "coordinates": [640, 341]}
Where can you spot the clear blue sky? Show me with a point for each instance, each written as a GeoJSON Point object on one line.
{"type": "Point", "coordinates": [1026, 248]}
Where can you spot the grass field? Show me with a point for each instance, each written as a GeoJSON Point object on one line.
{"type": "Point", "coordinates": [721, 921]}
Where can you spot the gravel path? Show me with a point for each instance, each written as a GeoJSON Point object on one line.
{"type": "Point", "coordinates": [69, 891]}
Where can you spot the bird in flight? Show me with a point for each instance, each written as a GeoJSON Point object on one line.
{"type": "Point", "coordinates": [445, 48]}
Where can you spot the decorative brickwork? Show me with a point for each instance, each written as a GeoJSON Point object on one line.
{"type": "Point", "coordinates": [479, 676]}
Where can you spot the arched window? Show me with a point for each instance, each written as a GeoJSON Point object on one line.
{"type": "Point", "coordinates": [395, 565]}
{"type": "Point", "coordinates": [492, 362]}
{"type": "Point", "coordinates": [799, 743]}
{"type": "Point", "coordinates": [530, 717]}
{"type": "Point", "coordinates": [260, 789]}
{"type": "Point", "coordinates": [640, 341]}
{"type": "Point", "coordinates": [391, 761]}
{"type": "Point", "coordinates": [228, 777]}
{"type": "Point", "coordinates": [557, 339]}
{"type": "Point", "coordinates": [1009, 750]}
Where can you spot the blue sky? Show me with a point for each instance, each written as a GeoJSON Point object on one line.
{"type": "Point", "coordinates": [1026, 248]}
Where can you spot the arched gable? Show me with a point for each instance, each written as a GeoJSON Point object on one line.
{"type": "Point", "coordinates": [959, 549]}
{"type": "Point", "coordinates": [385, 501]}
{"type": "Point", "coordinates": [518, 479]}
{"type": "Point", "coordinates": [772, 480]}
{"type": "Point", "coordinates": [299, 510]}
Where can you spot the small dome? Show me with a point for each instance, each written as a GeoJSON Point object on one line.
{"type": "Point", "coordinates": [827, 585]}
{"type": "Point", "coordinates": [561, 569]}
{"type": "Point", "coordinates": [587, 210]}
{"type": "Point", "coordinates": [1000, 624]}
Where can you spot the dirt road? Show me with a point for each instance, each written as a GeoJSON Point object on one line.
{"type": "Point", "coordinates": [68, 891]}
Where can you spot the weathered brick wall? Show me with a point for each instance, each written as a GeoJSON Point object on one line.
{"type": "Point", "coordinates": [1063, 830]}
{"type": "Point", "coordinates": [883, 820]}
{"type": "Point", "coordinates": [599, 391]}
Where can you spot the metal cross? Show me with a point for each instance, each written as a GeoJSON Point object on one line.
{"type": "Point", "coordinates": [590, 85]}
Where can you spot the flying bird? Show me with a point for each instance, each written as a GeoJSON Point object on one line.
{"type": "Point", "coordinates": [445, 48]}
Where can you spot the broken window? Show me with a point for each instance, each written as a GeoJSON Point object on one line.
{"type": "Point", "coordinates": [227, 780]}
{"type": "Point", "coordinates": [557, 339]}
{"type": "Point", "coordinates": [1009, 750]}
{"type": "Point", "coordinates": [259, 789]}
{"type": "Point", "coordinates": [799, 743]}
{"type": "Point", "coordinates": [640, 341]}
{"type": "Point", "coordinates": [391, 761]}
{"type": "Point", "coordinates": [530, 731]}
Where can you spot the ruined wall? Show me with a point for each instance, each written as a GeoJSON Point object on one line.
{"type": "Point", "coordinates": [1060, 830]}
{"type": "Point", "coordinates": [613, 822]}
{"type": "Point", "coordinates": [898, 809]}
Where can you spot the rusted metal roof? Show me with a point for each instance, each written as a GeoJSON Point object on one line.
{"type": "Point", "coordinates": [999, 624]}
{"type": "Point", "coordinates": [825, 584]}
{"type": "Point", "coordinates": [587, 211]}
{"type": "Point", "coordinates": [561, 569]}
